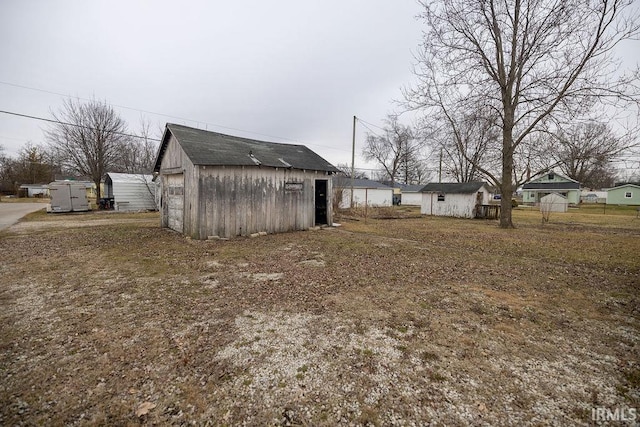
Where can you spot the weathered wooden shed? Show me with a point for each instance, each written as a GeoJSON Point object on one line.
{"type": "Point", "coordinates": [220, 185]}
{"type": "Point", "coordinates": [130, 192]}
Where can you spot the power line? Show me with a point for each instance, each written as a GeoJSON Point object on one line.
{"type": "Point", "coordinates": [72, 124]}
{"type": "Point", "coordinates": [371, 124]}
{"type": "Point", "coordinates": [198, 122]}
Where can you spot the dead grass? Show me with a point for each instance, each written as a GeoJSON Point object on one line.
{"type": "Point", "coordinates": [383, 322]}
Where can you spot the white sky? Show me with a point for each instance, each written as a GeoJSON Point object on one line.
{"type": "Point", "coordinates": [283, 70]}
{"type": "Point", "coordinates": [288, 70]}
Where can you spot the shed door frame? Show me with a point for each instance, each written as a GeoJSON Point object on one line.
{"type": "Point", "coordinates": [175, 202]}
{"type": "Point", "coordinates": [321, 202]}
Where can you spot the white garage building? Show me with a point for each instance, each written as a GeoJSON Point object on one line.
{"type": "Point", "coordinates": [460, 200]}
{"type": "Point", "coordinates": [365, 192]}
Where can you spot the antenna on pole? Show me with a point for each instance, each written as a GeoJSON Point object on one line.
{"type": "Point", "coordinates": [353, 158]}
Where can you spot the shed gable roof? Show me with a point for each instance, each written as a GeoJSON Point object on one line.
{"type": "Point", "coordinates": [117, 177]}
{"type": "Point", "coordinates": [623, 186]}
{"type": "Point", "coordinates": [452, 187]}
{"type": "Point", "coordinates": [345, 182]}
{"type": "Point", "coordinates": [207, 148]}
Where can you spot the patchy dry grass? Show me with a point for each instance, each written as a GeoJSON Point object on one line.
{"type": "Point", "coordinates": [107, 319]}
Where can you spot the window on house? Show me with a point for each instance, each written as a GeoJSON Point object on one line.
{"type": "Point", "coordinates": [441, 197]}
{"type": "Point", "coordinates": [628, 195]}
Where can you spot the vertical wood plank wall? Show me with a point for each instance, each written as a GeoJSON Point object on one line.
{"type": "Point", "coordinates": [238, 201]}
{"type": "Point", "coordinates": [229, 201]}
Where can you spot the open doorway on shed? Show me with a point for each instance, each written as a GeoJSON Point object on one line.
{"type": "Point", "coordinates": [321, 201]}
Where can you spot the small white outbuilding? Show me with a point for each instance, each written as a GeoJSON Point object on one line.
{"type": "Point", "coordinates": [460, 200]}
{"type": "Point", "coordinates": [130, 192]}
{"type": "Point", "coordinates": [365, 192]}
{"type": "Point", "coordinates": [554, 202]}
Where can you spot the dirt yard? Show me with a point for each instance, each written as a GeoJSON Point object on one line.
{"type": "Point", "coordinates": [107, 319]}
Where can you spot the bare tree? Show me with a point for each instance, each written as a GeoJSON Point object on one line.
{"type": "Point", "coordinates": [138, 155]}
{"type": "Point", "coordinates": [345, 169]}
{"type": "Point", "coordinates": [467, 143]}
{"type": "Point", "coordinates": [89, 138]}
{"type": "Point", "coordinates": [530, 61]}
{"type": "Point", "coordinates": [396, 148]}
{"type": "Point", "coordinates": [585, 152]}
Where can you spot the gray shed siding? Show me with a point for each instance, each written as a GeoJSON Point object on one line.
{"type": "Point", "coordinates": [229, 201]}
{"type": "Point", "coordinates": [241, 200]}
{"type": "Point", "coordinates": [175, 162]}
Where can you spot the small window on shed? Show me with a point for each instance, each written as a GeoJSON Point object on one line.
{"type": "Point", "coordinates": [441, 197]}
{"type": "Point", "coordinates": [628, 195]}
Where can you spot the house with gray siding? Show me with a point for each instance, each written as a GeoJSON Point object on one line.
{"type": "Point", "coordinates": [221, 185]}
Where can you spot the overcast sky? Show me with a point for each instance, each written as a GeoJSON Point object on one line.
{"type": "Point", "coordinates": [287, 70]}
{"type": "Point", "coordinates": [284, 70]}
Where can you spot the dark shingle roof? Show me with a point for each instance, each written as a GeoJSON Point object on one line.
{"type": "Point", "coordinates": [215, 149]}
{"type": "Point", "coordinates": [345, 182]}
{"type": "Point", "coordinates": [452, 187]}
{"type": "Point", "coordinates": [551, 186]}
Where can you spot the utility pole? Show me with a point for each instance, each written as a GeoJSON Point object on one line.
{"type": "Point", "coordinates": [353, 158]}
{"type": "Point", "coordinates": [440, 168]}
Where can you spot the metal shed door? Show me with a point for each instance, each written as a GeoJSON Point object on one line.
{"type": "Point", "coordinates": [175, 201]}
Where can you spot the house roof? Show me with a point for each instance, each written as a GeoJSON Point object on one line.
{"type": "Point", "coordinates": [452, 187]}
{"type": "Point", "coordinates": [565, 184]}
{"type": "Point", "coordinates": [34, 186]}
{"type": "Point", "coordinates": [569, 185]}
{"type": "Point", "coordinates": [411, 188]}
{"type": "Point", "coordinates": [553, 195]}
{"type": "Point", "coordinates": [207, 148]}
{"type": "Point", "coordinates": [345, 182]}
{"type": "Point", "coordinates": [623, 186]}
{"type": "Point", "coordinates": [129, 177]}
{"type": "Point", "coordinates": [405, 188]}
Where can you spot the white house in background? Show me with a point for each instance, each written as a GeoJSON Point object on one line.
{"type": "Point", "coordinates": [592, 196]}
{"type": "Point", "coordinates": [130, 192]}
{"type": "Point", "coordinates": [460, 200]}
{"type": "Point", "coordinates": [411, 194]}
{"type": "Point", "coordinates": [35, 190]}
{"type": "Point", "coordinates": [554, 202]}
{"type": "Point", "coordinates": [365, 192]}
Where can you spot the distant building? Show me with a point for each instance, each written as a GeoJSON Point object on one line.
{"type": "Point", "coordinates": [593, 196]}
{"type": "Point", "coordinates": [625, 194]}
{"type": "Point", "coordinates": [365, 192]}
{"type": "Point", "coordinates": [549, 183]}
{"type": "Point", "coordinates": [461, 200]}
{"type": "Point", "coordinates": [554, 202]}
{"type": "Point", "coordinates": [34, 190]}
{"type": "Point", "coordinates": [130, 192]}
